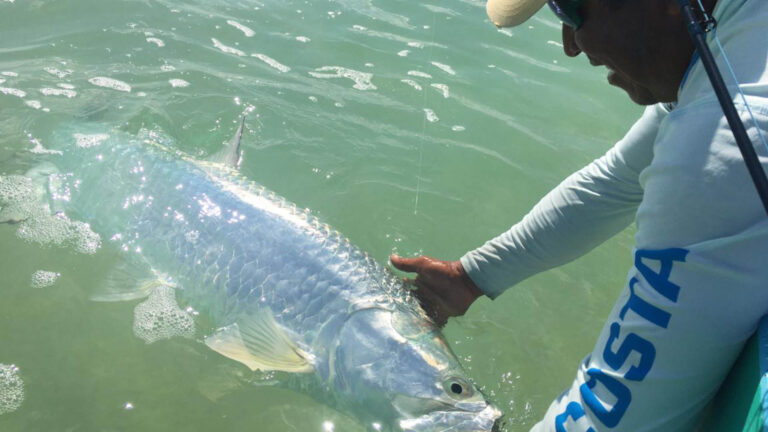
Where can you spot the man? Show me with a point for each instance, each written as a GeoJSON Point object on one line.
{"type": "Point", "coordinates": [698, 285]}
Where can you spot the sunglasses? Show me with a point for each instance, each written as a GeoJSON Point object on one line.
{"type": "Point", "coordinates": [568, 11]}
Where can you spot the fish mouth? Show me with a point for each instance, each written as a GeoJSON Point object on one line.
{"type": "Point", "coordinates": [485, 420]}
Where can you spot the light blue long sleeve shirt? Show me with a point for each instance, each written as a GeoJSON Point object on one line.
{"type": "Point", "coordinates": [699, 283]}
{"type": "Point", "coordinates": [677, 174]}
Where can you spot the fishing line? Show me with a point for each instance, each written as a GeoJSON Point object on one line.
{"type": "Point", "coordinates": [424, 122]}
{"type": "Point", "coordinates": [733, 77]}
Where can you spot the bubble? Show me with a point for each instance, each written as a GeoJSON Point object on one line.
{"type": "Point", "coordinates": [34, 104]}
{"type": "Point", "coordinates": [89, 140]}
{"type": "Point", "coordinates": [13, 92]}
{"type": "Point", "coordinates": [110, 83]}
{"type": "Point", "coordinates": [11, 389]}
{"type": "Point", "coordinates": [68, 93]}
{"type": "Point", "coordinates": [44, 279]}
{"type": "Point", "coordinates": [159, 317]}
{"type": "Point", "coordinates": [178, 83]}
{"type": "Point", "coordinates": [15, 188]}
{"type": "Point", "coordinates": [83, 238]}
{"type": "Point", "coordinates": [431, 116]}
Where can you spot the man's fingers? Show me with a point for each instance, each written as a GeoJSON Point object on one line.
{"type": "Point", "coordinates": [410, 265]}
{"type": "Point", "coordinates": [432, 304]}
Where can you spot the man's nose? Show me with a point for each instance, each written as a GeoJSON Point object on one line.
{"type": "Point", "coordinates": [569, 42]}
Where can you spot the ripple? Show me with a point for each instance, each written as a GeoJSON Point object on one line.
{"type": "Point", "coordinates": [395, 37]}
{"type": "Point", "coordinates": [442, 88]}
{"type": "Point", "coordinates": [9, 74]}
{"type": "Point", "coordinates": [442, 10]}
{"type": "Point", "coordinates": [156, 41]}
{"type": "Point", "coordinates": [444, 67]}
{"type": "Point", "coordinates": [362, 79]}
{"type": "Point", "coordinates": [110, 83]}
{"type": "Point", "coordinates": [419, 74]}
{"type": "Point", "coordinates": [303, 39]}
{"type": "Point", "coordinates": [246, 30]}
{"type": "Point", "coordinates": [227, 49]}
{"type": "Point", "coordinates": [411, 83]}
{"type": "Point", "coordinates": [57, 72]}
{"type": "Point", "coordinates": [272, 62]}
{"type": "Point", "coordinates": [403, 53]}
{"type": "Point", "coordinates": [528, 59]}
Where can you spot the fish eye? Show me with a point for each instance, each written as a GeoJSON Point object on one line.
{"type": "Point", "coordinates": [457, 387]}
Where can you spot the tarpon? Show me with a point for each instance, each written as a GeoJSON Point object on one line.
{"type": "Point", "coordinates": [284, 291]}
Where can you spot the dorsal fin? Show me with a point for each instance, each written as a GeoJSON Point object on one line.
{"type": "Point", "coordinates": [229, 155]}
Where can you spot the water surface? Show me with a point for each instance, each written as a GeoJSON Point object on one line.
{"type": "Point", "coordinates": [411, 127]}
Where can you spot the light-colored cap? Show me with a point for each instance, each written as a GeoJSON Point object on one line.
{"type": "Point", "coordinates": [509, 13]}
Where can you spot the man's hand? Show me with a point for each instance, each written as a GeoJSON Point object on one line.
{"type": "Point", "coordinates": [443, 287]}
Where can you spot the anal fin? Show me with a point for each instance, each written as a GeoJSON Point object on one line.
{"type": "Point", "coordinates": [258, 342]}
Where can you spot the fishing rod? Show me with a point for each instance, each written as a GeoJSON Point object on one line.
{"type": "Point", "coordinates": [698, 27]}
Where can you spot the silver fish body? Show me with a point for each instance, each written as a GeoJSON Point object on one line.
{"type": "Point", "coordinates": [238, 253]}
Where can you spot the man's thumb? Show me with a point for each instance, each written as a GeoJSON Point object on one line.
{"type": "Point", "coordinates": [410, 265]}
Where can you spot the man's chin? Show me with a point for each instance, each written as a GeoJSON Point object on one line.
{"type": "Point", "coordinates": [639, 94]}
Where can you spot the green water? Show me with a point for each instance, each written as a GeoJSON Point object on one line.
{"type": "Point", "coordinates": [489, 122]}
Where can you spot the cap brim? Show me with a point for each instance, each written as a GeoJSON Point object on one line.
{"type": "Point", "coordinates": [509, 13]}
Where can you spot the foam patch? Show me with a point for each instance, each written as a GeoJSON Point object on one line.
{"type": "Point", "coordinates": [20, 203]}
{"type": "Point", "coordinates": [159, 317]}
{"type": "Point", "coordinates": [11, 389]}
{"type": "Point", "coordinates": [44, 279]}
{"type": "Point", "coordinates": [46, 229]}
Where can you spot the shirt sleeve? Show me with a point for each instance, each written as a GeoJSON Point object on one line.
{"type": "Point", "coordinates": [587, 208]}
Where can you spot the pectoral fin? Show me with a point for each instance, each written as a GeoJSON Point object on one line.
{"type": "Point", "coordinates": [130, 280]}
{"type": "Point", "coordinates": [258, 342]}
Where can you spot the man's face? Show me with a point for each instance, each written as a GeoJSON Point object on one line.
{"type": "Point", "coordinates": [643, 43]}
